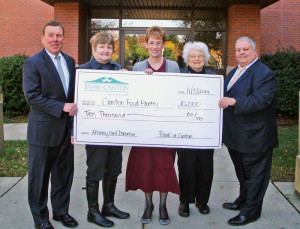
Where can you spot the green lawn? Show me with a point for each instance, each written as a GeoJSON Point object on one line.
{"type": "Point", "coordinates": [284, 157]}
{"type": "Point", "coordinates": [8, 120]}
{"type": "Point", "coordinates": [14, 163]}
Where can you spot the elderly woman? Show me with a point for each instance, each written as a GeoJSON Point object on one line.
{"type": "Point", "coordinates": [152, 169]}
{"type": "Point", "coordinates": [195, 166]}
{"type": "Point", "coordinates": [103, 162]}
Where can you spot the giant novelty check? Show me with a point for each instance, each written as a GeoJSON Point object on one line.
{"type": "Point", "coordinates": [160, 110]}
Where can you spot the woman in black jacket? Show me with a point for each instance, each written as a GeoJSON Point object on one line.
{"type": "Point", "coordinates": [103, 162]}
{"type": "Point", "coordinates": [195, 166]}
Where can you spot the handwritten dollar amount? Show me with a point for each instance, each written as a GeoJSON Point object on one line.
{"type": "Point", "coordinates": [194, 116]}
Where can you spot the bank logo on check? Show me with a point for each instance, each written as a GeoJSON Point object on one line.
{"type": "Point", "coordinates": [107, 84]}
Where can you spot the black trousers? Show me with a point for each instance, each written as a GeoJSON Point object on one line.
{"type": "Point", "coordinates": [43, 162]}
{"type": "Point", "coordinates": [195, 167]}
{"type": "Point", "coordinates": [103, 162]}
{"type": "Point", "coordinates": [253, 172]}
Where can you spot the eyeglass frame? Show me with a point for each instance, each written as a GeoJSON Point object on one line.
{"type": "Point", "coordinates": [195, 56]}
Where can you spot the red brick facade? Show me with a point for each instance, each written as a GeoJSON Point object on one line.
{"type": "Point", "coordinates": [243, 20]}
{"type": "Point", "coordinates": [21, 24]}
{"type": "Point", "coordinates": [21, 33]}
{"type": "Point", "coordinates": [280, 25]}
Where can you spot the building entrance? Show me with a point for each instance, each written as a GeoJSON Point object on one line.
{"type": "Point", "coordinates": [128, 27]}
{"type": "Point", "coordinates": [134, 49]}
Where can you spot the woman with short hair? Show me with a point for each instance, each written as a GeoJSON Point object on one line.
{"type": "Point", "coordinates": [103, 162]}
{"type": "Point", "coordinates": [152, 169]}
{"type": "Point", "coordinates": [195, 166]}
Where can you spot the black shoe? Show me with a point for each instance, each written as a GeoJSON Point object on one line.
{"type": "Point", "coordinates": [46, 225]}
{"type": "Point", "coordinates": [184, 210]}
{"type": "Point", "coordinates": [203, 208]}
{"type": "Point", "coordinates": [240, 220]}
{"type": "Point", "coordinates": [97, 218]}
{"type": "Point", "coordinates": [109, 209]}
{"type": "Point", "coordinates": [67, 220]}
{"type": "Point", "coordinates": [231, 206]}
{"type": "Point", "coordinates": [94, 215]}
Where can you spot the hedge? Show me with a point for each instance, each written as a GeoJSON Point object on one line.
{"type": "Point", "coordinates": [286, 65]}
{"type": "Point", "coordinates": [11, 81]}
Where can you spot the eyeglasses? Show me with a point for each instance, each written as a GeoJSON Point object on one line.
{"type": "Point", "coordinates": [194, 56]}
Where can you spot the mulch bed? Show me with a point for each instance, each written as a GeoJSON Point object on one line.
{"type": "Point", "coordinates": [286, 121]}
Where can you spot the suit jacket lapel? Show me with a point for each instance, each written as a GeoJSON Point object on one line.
{"type": "Point", "coordinates": [228, 78]}
{"type": "Point", "coordinates": [245, 74]}
{"type": "Point", "coordinates": [71, 72]}
{"type": "Point", "coordinates": [52, 69]}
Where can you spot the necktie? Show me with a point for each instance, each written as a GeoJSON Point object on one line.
{"type": "Point", "coordinates": [237, 74]}
{"type": "Point", "coordinates": [61, 74]}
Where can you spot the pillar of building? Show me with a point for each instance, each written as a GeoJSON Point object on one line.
{"type": "Point", "coordinates": [297, 169]}
{"type": "Point", "coordinates": [73, 16]}
{"type": "Point", "coordinates": [243, 20]}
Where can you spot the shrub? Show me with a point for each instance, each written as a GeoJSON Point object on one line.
{"type": "Point", "coordinates": [286, 65]}
{"type": "Point", "coordinates": [11, 81]}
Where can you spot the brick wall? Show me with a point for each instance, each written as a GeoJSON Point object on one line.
{"type": "Point", "coordinates": [280, 25]}
{"type": "Point", "coordinates": [67, 13]}
{"type": "Point", "coordinates": [243, 20]}
{"type": "Point", "coordinates": [21, 24]}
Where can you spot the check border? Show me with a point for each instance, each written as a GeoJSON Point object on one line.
{"type": "Point", "coordinates": [133, 143]}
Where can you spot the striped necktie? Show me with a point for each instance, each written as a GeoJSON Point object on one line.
{"type": "Point", "coordinates": [237, 74]}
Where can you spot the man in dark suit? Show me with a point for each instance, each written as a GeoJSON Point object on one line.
{"type": "Point", "coordinates": [48, 85]}
{"type": "Point", "coordinates": [249, 128]}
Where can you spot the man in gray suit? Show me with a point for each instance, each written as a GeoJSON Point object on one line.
{"type": "Point", "coordinates": [48, 85]}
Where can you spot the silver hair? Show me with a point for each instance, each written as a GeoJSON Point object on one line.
{"type": "Point", "coordinates": [195, 45]}
{"type": "Point", "coordinates": [253, 44]}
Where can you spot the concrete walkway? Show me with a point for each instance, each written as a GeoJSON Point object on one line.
{"type": "Point", "coordinates": [279, 211]}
